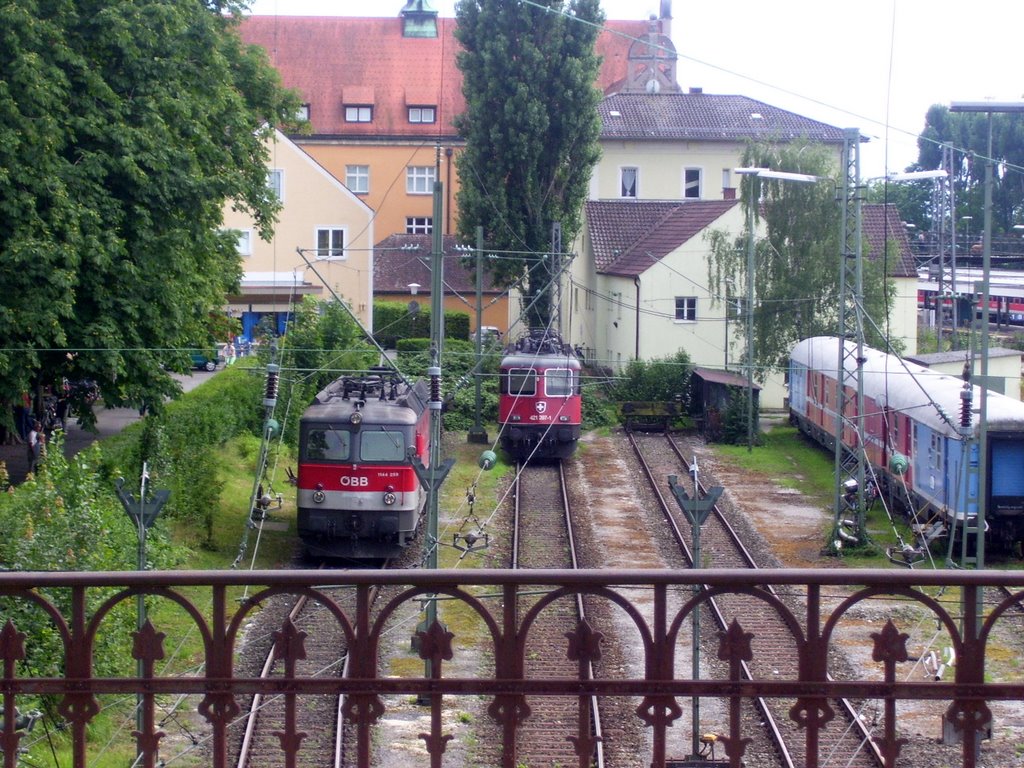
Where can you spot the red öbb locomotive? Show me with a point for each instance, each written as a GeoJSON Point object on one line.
{"type": "Point", "coordinates": [540, 407]}
{"type": "Point", "coordinates": [358, 495]}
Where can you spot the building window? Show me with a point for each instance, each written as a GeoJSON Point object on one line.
{"type": "Point", "coordinates": [358, 114]}
{"type": "Point", "coordinates": [686, 308]}
{"type": "Point", "coordinates": [275, 180]}
{"type": "Point", "coordinates": [422, 114]}
{"type": "Point", "coordinates": [357, 178]}
{"type": "Point", "coordinates": [245, 242]}
{"type": "Point", "coordinates": [302, 115]}
{"type": "Point", "coordinates": [691, 183]}
{"type": "Point", "coordinates": [330, 243]}
{"type": "Point", "coordinates": [419, 179]}
{"type": "Point", "coordinates": [419, 225]}
{"type": "Point", "coordinates": [628, 184]}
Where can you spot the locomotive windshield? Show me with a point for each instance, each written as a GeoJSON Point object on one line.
{"type": "Point", "coordinates": [381, 446]}
{"type": "Point", "coordinates": [558, 382]}
{"type": "Point", "coordinates": [328, 444]}
{"type": "Point", "coordinates": [522, 381]}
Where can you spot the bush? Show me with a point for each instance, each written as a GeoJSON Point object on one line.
{"type": "Point", "coordinates": [598, 409]}
{"type": "Point", "coordinates": [68, 517]}
{"type": "Point", "coordinates": [177, 444]}
{"type": "Point", "coordinates": [664, 379]}
{"type": "Point", "coordinates": [392, 322]}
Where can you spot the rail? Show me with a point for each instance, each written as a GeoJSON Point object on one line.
{"type": "Point", "coordinates": [78, 607]}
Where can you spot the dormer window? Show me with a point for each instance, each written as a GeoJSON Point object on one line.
{"type": "Point", "coordinates": [302, 115]}
{"type": "Point", "coordinates": [358, 114]}
{"type": "Point", "coordinates": [422, 114]}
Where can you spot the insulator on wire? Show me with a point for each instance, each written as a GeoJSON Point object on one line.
{"type": "Point", "coordinates": [966, 396]}
{"type": "Point", "coordinates": [270, 393]}
{"type": "Point", "coordinates": [434, 372]}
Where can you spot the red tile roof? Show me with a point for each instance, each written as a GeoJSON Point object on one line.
{"type": "Point", "coordinates": [630, 237]}
{"type": "Point", "coordinates": [332, 59]}
{"type": "Point", "coordinates": [881, 224]}
{"type": "Point", "coordinates": [399, 260]}
{"type": "Point", "coordinates": [627, 238]}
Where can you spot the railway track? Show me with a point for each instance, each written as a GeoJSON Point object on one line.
{"type": "Point", "coordinates": [318, 717]}
{"type": "Point", "coordinates": [846, 740]}
{"type": "Point", "coordinates": [543, 538]}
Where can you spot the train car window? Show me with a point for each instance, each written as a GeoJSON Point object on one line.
{"type": "Point", "coordinates": [381, 446]}
{"type": "Point", "coordinates": [328, 444]}
{"type": "Point", "coordinates": [558, 382]}
{"type": "Point", "coordinates": [522, 381]}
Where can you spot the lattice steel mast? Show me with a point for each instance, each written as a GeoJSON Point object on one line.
{"type": "Point", "coordinates": [849, 400]}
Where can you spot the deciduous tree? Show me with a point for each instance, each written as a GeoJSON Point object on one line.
{"type": "Point", "coordinates": [124, 127]}
{"type": "Point", "coordinates": [796, 283]}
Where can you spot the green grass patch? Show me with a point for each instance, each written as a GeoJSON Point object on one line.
{"type": "Point", "coordinates": [790, 459]}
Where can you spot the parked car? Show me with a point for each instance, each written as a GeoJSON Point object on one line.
{"type": "Point", "coordinates": [205, 360]}
{"type": "Point", "coordinates": [489, 334]}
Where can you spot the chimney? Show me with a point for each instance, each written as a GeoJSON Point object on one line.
{"type": "Point", "coordinates": [696, 91]}
{"type": "Point", "coordinates": [666, 18]}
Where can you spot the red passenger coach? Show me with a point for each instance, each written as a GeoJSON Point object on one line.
{"type": "Point", "coordinates": [539, 410]}
{"type": "Point", "coordinates": [358, 495]}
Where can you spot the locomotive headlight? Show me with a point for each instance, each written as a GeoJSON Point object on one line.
{"type": "Point", "coordinates": [319, 495]}
{"type": "Point", "coordinates": [356, 418]}
{"type": "Point", "coordinates": [389, 496]}
{"type": "Point", "coordinates": [563, 418]}
{"type": "Point", "coordinates": [516, 417]}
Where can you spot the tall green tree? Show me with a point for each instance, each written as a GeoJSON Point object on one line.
{"type": "Point", "coordinates": [125, 125]}
{"type": "Point", "coordinates": [531, 128]}
{"type": "Point", "coordinates": [796, 283]}
{"type": "Point", "coordinates": [967, 133]}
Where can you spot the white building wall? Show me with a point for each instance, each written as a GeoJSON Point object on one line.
{"type": "Point", "coordinates": [661, 168]}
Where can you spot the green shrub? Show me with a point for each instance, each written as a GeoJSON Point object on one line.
{"type": "Point", "coordinates": [598, 410]}
{"type": "Point", "coordinates": [664, 379]}
{"type": "Point", "coordinates": [68, 517]}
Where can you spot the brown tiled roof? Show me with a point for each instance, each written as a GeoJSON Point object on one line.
{"type": "Point", "coordinates": [629, 237]}
{"type": "Point", "coordinates": [399, 260]}
{"type": "Point", "coordinates": [881, 223]}
{"type": "Point", "coordinates": [705, 117]}
{"type": "Point", "coordinates": [331, 59]}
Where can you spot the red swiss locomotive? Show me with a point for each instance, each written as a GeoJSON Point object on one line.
{"type": "Point", "coordinates": [540, 405]}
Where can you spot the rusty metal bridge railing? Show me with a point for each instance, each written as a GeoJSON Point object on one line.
{"type": "Point", "coordinates": [820, 606]}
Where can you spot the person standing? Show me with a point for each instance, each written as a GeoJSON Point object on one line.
{"type": "Point", "coordinates": [36, 438]}
{"type": "Point", "coordinates": [230, 353]}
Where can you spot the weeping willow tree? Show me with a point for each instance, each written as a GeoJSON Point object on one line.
{"type": "Point", "coordinates": [796, 275]}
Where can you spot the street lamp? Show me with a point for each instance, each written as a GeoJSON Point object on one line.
{"type": "Point", "coordinates": [761, 173]}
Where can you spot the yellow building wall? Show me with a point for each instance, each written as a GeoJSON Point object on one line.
{"type": "Point", "coordinates": [311, 199]}
{"type": "Point", "coordinates": [388, 193]}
